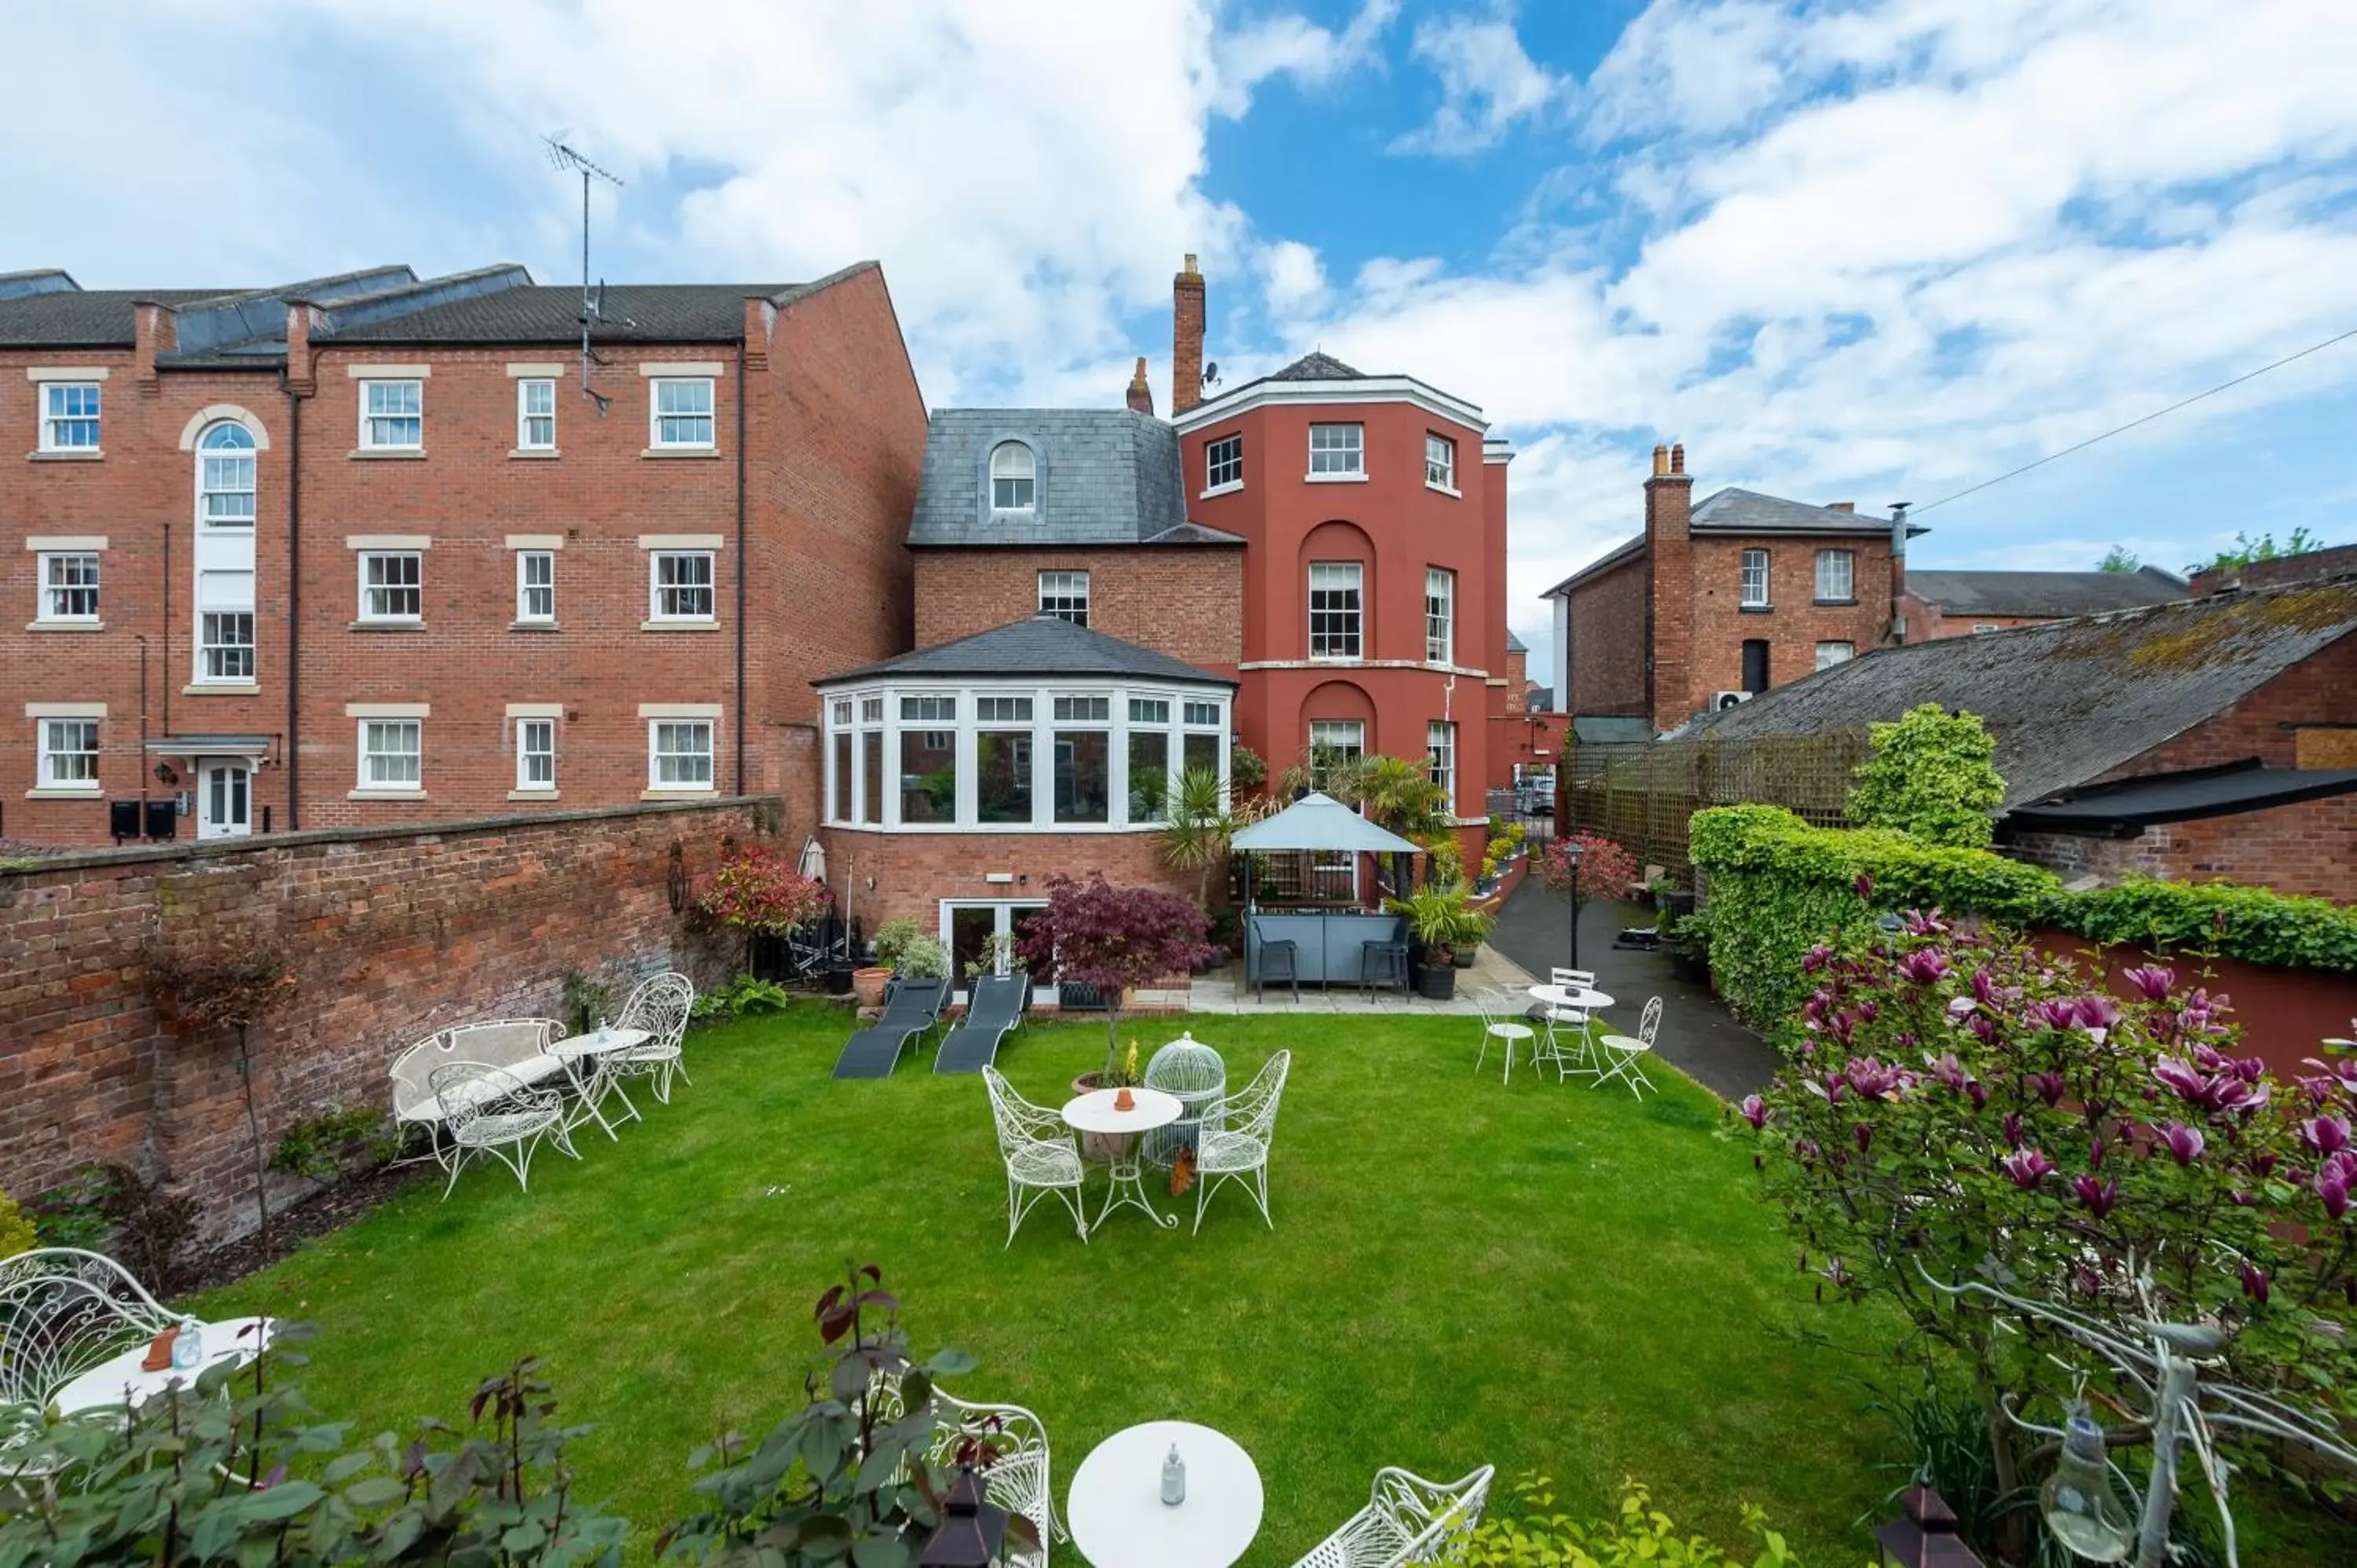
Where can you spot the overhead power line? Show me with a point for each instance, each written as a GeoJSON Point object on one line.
{"type": "Point", "coordinates": [2147, 419]}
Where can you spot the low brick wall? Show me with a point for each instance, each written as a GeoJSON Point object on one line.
{"type": "Point", "coordinates": [2301, 848]}
{"type": "Point", "coordinates": [2285, 1013]}
{"type": "Point", "coordinates": [392, 932]}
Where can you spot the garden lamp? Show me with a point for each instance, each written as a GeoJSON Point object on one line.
{"type": "Point", "coordinates": [2077, 1502]}
{"type": "Point", "coordinates": [972, 1529]}
{"type": "Point", "coordinates": [1924, 1535]}
{"type": "Point", "coordinates": [1573, 851]}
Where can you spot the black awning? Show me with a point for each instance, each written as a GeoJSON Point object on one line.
{"type": "Point", "coordinates": [2132, 805]}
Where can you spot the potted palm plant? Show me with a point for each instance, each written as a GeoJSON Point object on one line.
{"type": "Point", "coordinates": [1437, 918]}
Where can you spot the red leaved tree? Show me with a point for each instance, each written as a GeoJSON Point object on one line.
{"type": "Point", "coordinates": [1606, 870]}
{"type": "Point", "coordinates": [1114, 939]}
{"type": "Point", "coordinates": [758, 891]}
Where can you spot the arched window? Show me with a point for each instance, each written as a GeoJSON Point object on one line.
{"type": "Point", "coordinates": [1012, 470]}
{"type": "Point", "coordinates": [225, 476]}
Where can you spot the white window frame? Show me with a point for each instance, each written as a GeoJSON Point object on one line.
{"type": "Point", "coordinates": [47, 731]}
{"type": "Point", "coordinates": [371, 417]}
{"type": "Point", "coordinates": [1979, 627]}
{"type": "Point", "coordinates": [1223, 463]}
{"type": "Point", "coordinates": [1070, 588]}
{"type": "Point", "coordinates": [1439, 463]}
{"type": "Point", "coordinates": [416, 558]}
{"type": "Point", "coordinates": [51, 593]}
{"type": "Point", "coordinates": [1439, 616]}
{"type": "Point", "coordinates": [368, 784]}
{"type": "Point", "coordinates": [1324, 734]}
{"type": "Point", "coordinates": [657, 587]}
{"type": "Point", "coordinates": [680, 723]}
{"type": "Point", "coordinates": [1440, 757]}
{"type": "Point", "coordinates": [1358, 611]}
{"type": "Point", "coordinates": [54, 421]}
{"type": "Point", "coordinates": [248, 470]}
{"type": "Point", "coordinates": [526, 388]}
{"type": "Point", "coordinates": [1835, 651]}
{"type": "Point", "coordinates": [526, 587]}
{"type": "Point", "coordinates": [710, 416]}
{"type": "Point", "coordinates": [1744, 580]}
{"type": "Point", "coordinates": [529, 729]}
{"type": "Point", "coordinates": [1334, 458]}
{"type": "Point", "coordinates": [1844, 563]}
{"type": "Point", "coordinates": [1028, 478]}
{"type": "Point", "coordinates": [212, 650]}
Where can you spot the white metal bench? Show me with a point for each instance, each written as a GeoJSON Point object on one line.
{"type": "Point", "coordinates": [517, 1046]}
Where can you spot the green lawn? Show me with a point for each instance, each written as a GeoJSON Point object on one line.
{"type": "Point", "coordinates": [1536, 1276]}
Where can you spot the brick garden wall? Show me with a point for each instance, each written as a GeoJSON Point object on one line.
{"type": "Point", "coordinates": [2302, 848]}
{"type": "Point", "coordinates": [392, 933]}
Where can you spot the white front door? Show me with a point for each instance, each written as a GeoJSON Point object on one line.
{"type": "Point", "coordinates": [969, 929]}
{"type": "Point", "coordinates": [224, 798]}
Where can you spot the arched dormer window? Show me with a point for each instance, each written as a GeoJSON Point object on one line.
{"type": "Point", "coordinates": [225, 476]}
{"type": "Point", "coordinates": [1013, 478]}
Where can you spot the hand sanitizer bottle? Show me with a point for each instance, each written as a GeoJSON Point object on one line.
{"type": "Point", "coordinates": [188, 1348]}
{"type": "Point", "coordinates": [1174, 1478]}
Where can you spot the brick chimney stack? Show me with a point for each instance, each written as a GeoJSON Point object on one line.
{"type": "Point", "coordinates": [1186, 339]}
{"type": "Point", "coordinates": [1669, 556]}
{"type": "Point", "coordinates": [154, 329]}
{"type": "Point", "coordinates": [300, 318]}
{"type": "Point", "coordinates": [1141, 394]}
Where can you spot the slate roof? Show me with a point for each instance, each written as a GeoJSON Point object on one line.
{"type": "Point", "coordinates": [2043, 593]}
{"type": "Point", "coordinates": [1043, 645]}
{"type": "Point", "coordinates": [1105, 476]}
{"type": "Point", "coordinates": [550, 313]}
{"type": "Point", "coordinates": [1515, 644]}
{"type": "Point", "coordinates": [1611, 729]}
{"type": "Point", "coordinates": [1316, 366]}
{"type": "Point", "coordinates": [81, 318]}
{"type": "Point", "coordinates": [2133, 804]}
{"type": "Point", "coordinates": [1733, 511]}
{"type": "Point", "coordinates": [2072, 700]}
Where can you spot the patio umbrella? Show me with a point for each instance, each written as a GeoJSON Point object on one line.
{"type": "Point", "coordinates": [1322, 822]}
{"type": "Point", "coordinates": [812, 864]}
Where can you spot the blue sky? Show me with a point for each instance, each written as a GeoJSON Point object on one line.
{"type": "Point", "coordinates": [1870, 250]}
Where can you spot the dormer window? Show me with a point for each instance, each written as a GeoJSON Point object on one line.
{"type": "Point", "coordinates": [1012, 475]}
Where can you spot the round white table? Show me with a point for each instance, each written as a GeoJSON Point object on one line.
{"type": "Point", "coordinates": [1583, 1000]}
{"type": "Point", "coordinates": [110, 1384]}
{"type": "Point", "coordinates": [587, 1062]}
{"type": "Point", "coordinates": [1118, 1519]}
{"type": "Point", "coordinates": [1578, 998]}
{"type": "Point", "coordinates": [1094, 1112]}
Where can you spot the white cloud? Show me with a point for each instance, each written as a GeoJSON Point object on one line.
{"type": "Point", "coordinates": [1296, 279]}
{"type": "Point", "coordinates": [1487, 83]}
{"type": "Point", "coordinates": [1293, 45]}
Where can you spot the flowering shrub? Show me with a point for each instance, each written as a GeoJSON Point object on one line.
{"type": "Point", "coordinates": [757, 889]}
{"type": "Point", "coordinates": [1606, 870]}
{"type": "Point", "coordinates": [1960, 1107]}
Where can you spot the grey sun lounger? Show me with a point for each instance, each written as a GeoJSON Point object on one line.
{"type": "Point", "coordinates": [996, 1009]}
{"type": "Point", "coordinates": [911, 1007]}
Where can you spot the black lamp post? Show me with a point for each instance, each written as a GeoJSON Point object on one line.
{"type": "Point", "coordinates": [972, 1529]}
{"type": "Point", "coordinates": [1573, 850]}
{"type": "Point", "coordinates": [1924, 1535]}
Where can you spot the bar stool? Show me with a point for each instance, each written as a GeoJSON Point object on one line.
{"type": "Point", "coordinates": [1382, 962]}
{"type": "Point", "coordinates": [1286, 955]}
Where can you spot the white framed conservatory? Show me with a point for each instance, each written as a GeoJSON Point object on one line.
{"type": "Point", "coordinates": [1071, 753]}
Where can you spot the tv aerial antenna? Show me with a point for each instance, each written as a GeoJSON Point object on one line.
{"type": "Point", "coordinates": [593, 303]}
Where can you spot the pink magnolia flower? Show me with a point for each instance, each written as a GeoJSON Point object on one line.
{"type": "Point", "coordinates": [1865, 886]}
{"type": "Point", "coordinates": [2185, 1144]}
{"type": "Point", "coordinates": [1815, 958]}
{"type": "Point", "coordinates": [2155, 982]}
{"type": "Point", "coordinates": [2013, 1127]}
{"type": "Point", "coordinates": [2332, 1187]}
{"type": "Point", "coordinates": [1755, 1110]}
{"type": "Point", "coordinates": [2049, 1086]}
{"type": "Point", "coordinates": [2026, 1167]}
{"type": "Point", "coordinates": [1959, 1006]}
{"type": "Point", "coordinates": [1922, 923]}
{"type": "Point", "coordinates": [2101, 1196]}
{"type": "Point", "coordinates": [1863, 1135]}
{"type": "Point", "coordinates": [1984, 985]}
{"type": "Point", "coordinates": [2254, 1283]}
{"type": "Point", "coordinates": [1979, 1092]}
{"type": "Point", "coordinates": [1949, 1071]}
{"type": "Point", "coordinates": [2326, 1134]}
{"type": "Point", "coordinates": [1924, 966]}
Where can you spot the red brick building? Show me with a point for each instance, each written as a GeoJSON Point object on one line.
{"type": "Point", "coordinates": [2196, 739]}
{"type": "Point", "coordinates": [376, 549]}
{"type": "Point", "coordinates": [1958, 604]}
{"type": "Point", "coordinates": [1716, 603]}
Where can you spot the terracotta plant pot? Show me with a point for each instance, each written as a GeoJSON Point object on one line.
{"type": "Point", "coordinates": [867, 985]}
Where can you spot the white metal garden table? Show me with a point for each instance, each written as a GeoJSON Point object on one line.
{"type": "Point", "coordinates": [589, 1063]}
{"type": "Point", "coordinates": [1096, 1112]}
{"type": "Point", "coordinates": [1118, 1519]}
{"type": "Point", "coordinates": [1580, 999]}
{"type": "Point", "coordinates": [112, 1384]}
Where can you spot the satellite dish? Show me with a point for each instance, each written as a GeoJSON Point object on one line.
{"type": "Point", "coordinates": [1211, 374]}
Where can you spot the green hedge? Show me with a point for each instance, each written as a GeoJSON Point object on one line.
{"type": "Point", "coordinates": [1778, 886]}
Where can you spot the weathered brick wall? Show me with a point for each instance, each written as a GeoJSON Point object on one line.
{"type": "Point", "coordinates": [888, 876]}
{"type": "Point", "coordinates": [2303, 848]}
{"type": "Point", "coordinates": [1792, 624]}
{"type": "Point", "coordinates": [1608, 642]}
{"type": "Point", "coordinates": [1184, 601]}
{"type": "Point", "coordinates": [392, 933]}
{"type": "Point", "coordinates": [1927, 623]}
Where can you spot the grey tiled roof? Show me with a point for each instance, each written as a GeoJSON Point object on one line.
{"type": "Point", "coordinates": [1043, 645]}
{"type": "Point", "coordinates": [2069, 701]}
{"type": "Point", "coordinates": [1515, 644]}
{"type": "Point", "coordinates": [1732, 510]}
{"type": "Point", "coordinates": [1315, 367]}
{"type": "Point", "coordinates": [550, 313]}
{"type": "Point", "coordinates": [1105, 476]}
{"type": "Point", "coordinates": [1611, 558]}
{"type": "Point", "coordinates": [2043, 593]}
{"type": "Point", "coordinates": [81, 318]}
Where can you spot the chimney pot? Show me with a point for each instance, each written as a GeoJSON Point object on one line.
{"type": "Point", "coordinates": [1841, 506]}
{"type": "Point", "coordinates": [1660, 459]}
{"type": "Point", "coordinates": [1677, 459]}
{"type": "Point", "coordinates": [1141, 393]}
{"type": "Point", "coordinates": [1190, 262]}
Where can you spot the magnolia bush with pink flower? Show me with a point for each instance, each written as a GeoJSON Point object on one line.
{"type": "Point", "coordinates": [1961, 1106]}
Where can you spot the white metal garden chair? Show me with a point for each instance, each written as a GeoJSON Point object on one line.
{"type": "Point", "coordinates": [489, 1111]}
{"type": "Point", "coordinates": [1233, 1142]}
{"type": "Point", "coordinates": [64, 1311]}
{"type": "Point", "coordinates": [1569, 1020]}
{"type": "Point", "coordinates": [1626, 1054]}
{"type": "Point", "coordinates": [1407, 1519]}
{"type": "Point", "coordinates": [1191, 1073]}
{"type": "Point", "coordinates": [1040, 1152]}
{"type": "Point", "coordinates": [1501, 1027]}
{"type": "Point", "coordinates": [1019, 1476]}
{"type": "Point", "coordinates": [660, 1006]}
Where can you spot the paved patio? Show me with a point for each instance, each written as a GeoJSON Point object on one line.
{"type": "Point", "coordinates": [1223, 991]}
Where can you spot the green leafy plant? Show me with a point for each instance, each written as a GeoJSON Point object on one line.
{"type": "Point", "coordinates": [1246, 770]}
{"type": "Point", "coordinates": [2121, 561]}
{"type": "Point", "coordinates": [759, 891]}
{"type": "Point", "coordinates": [1526, 1530]}
{"type": "Point", "coordinates": [998, 956]}
{"type": "Point", "coordinates": [903, 947]}
{"type": "Point", "coordinates": [18, 1231]}
{"type": "Point", "coordinates": [743, 995]}
{"type": "Point", "coordinates": [337, 1142]}
{"type": "Point", "coordinates": [1439, 918]}
{"type": "Point", "coordinates": [74, 1212]}
{"type": "Point", "coordinates": [583, 999]}
{"type": "Point", "coordinates": [1931, 777]}
{"type": "Point", "coordinates": [2247, 550]}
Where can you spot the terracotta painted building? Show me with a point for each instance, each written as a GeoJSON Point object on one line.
{"type": "Point", "coordinates": [380, 549]}
{"type": "Point", "coordinates": [2195, 739]}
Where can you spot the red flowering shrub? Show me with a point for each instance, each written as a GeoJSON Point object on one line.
{"type": "Point", "coordinates": [1606, 870]}
{"type": "Point", "coordinates": [757, 889]}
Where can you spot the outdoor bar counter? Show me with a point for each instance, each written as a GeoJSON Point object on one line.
{"type": "Point", "coordinates": [1327, 945]}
